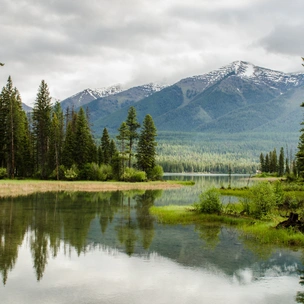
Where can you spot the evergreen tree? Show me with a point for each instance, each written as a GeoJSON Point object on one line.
{"type": "Point", "coordinates": [287, 170]}
{"type": "Point", "coordinates": [146, 149]}
{"type": "Point", "coordinates": [122, 138]}
{"type": "Point", "coordinates": [281, 163]}
{"type": "Point", "coordinates": [262, 162]}
{"type": "Point", "coordinates": [113, 149]}
{"type": "Point", "coordinates": [105, 148]}
{"type": "Point", "coordinates": [69, 144]}
{"type": "Point", "coordinates": [85, 146]}
{"type": "Point", "coordinates": [133, 125]}
{"type": "Point", "coordinates": [300, 153]}
{"type": "Point", "coordinates": [42, 128]}
{"type": "Point", "coordinates": [267, 163]}
{"type": "Point", "coordinates": [56, 139]}
{"type": "Point", "coordinates": [14, 140]}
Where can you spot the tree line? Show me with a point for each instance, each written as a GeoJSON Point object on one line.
{"type": "Point", "coordinates": [272, 163]}
{"type": "Point", "coordinates": [50, 144]}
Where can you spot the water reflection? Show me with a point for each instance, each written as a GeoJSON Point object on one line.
{"type": "Point", "coordinates": [67, 240]}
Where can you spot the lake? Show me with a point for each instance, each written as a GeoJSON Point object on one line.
{"type": "Point", "coordinates": [106, 248]}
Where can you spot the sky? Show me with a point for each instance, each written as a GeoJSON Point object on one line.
{"type": "Point", "coordinates": [74, 44]}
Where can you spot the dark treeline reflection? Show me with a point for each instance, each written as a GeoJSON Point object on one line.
{"type": "Point", "coordinates": [54, 219]}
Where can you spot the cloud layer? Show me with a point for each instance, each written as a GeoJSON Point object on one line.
{"type": "Point", "coordinates": [74, 44]}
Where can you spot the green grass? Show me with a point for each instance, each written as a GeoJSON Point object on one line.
{"type": "Point", "coordinates": [239, 192]}
{"type": "Point", "coordinates": [262, 231]}
{"type": "Point", "coordinates": [179, 182]}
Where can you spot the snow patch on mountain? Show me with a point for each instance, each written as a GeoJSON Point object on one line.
{"type": "Point", "coordinates": [246, 70]}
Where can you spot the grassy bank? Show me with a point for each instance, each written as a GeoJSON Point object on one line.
{"type": "Point", "coordinates": [257, 230]}
{"type": "Point", "coordinates": [25, 187]}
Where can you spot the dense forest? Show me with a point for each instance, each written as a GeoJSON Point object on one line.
{"type": "Point", "coordinates": [50, 144]}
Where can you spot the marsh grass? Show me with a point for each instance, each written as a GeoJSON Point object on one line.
{"type": "Point", "coordinates": [262, 231]}
{"type": "Point", "coordinates": [239, 192]}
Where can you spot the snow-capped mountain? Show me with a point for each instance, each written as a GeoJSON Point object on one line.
{"type": "Point", "coordinates": [246, 71]}
{"type": "Point", "coordinates": [84, 97]}
{"type": "Point", "coordinates": [235, 98]}
{"type": "Point", "coordinates": [99, 95]}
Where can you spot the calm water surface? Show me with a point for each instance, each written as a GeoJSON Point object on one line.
{"type": "Point", "coordinates": [106, 248]}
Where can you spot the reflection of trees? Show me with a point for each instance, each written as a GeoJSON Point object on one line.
{"type": "Point", "coordinates": [127, 228]}
{"type": "Point", "coordinates": [55, 219]}
{"type": "Point", "coordinates": [108, 205]}
{"type": "Point", "coordinates": [13, 224]}
{"type": "Point", "coordinates": [210, 234]}
{"type": "Point", "coordinates": [144, 219]}
{"type": "Point", "coordinates": [300, 294]}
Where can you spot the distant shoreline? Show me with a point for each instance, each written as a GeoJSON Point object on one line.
{"type": "Point", "coordinates": [13, 188]}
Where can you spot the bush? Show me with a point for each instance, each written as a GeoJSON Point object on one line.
{"type": "Point", "coordinates": [262, 199]}
{"type": "Point", "coordinates": [3, 173]}
{"type": "Point", "coordinates": [209, 201]}
{"type": "Point", "coordinates": [105, 172]}
{"type": "Point", "coordinates": [133, 175]}
{"type": "Point", "coordinates": [61, 171]}
{"type": "Point", "coordinates": [156, 173]}
{"type": "Point", "coordinates": [72, 173]}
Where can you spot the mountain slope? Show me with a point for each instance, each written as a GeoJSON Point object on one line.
{"type": "Point", "coordinates": [236, 98]}
{"type": "Point", "coordinates": [86, 96]}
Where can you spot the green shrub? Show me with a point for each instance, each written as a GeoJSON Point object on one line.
{"type": "Point", "coordinates": [262, 199]}
{"type": "Point", "coordinates": [72, 173]}
{"type": "Point", "coordinates": [133, 175]}
{"type": "Point", "coordinates": [209, 201]}
{"type": "Point", "coordinates": [61, 170]}
{"type": "Point", "coordinates": [105, 172]}
{"type": "Point", "coordinates": [3, 173]}
{"type": "Point", "coordinates": [156, 173]}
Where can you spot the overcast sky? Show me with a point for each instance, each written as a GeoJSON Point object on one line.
{"type": "Point", "coordinates": [76, 44]}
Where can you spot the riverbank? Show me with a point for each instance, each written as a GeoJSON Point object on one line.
{"type": "Point", "coordinates": [262, 231]}
{"type": "Point", "coordinates": [24, 187]}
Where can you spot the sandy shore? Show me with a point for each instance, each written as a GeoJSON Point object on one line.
{"type": "Point", "coordinates": [24, 187]}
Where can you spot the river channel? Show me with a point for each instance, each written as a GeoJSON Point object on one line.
{"type": "Point", "coordinates": [89, 248]}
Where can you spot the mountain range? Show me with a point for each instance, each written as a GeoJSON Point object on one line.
{"type": "Point", "coordinates": [239, 97]}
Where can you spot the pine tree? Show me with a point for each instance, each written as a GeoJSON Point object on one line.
{"type": "Point", "coordinates": [42, 128]}
{"type": "Point", "coordinates": [262, 162]}
{"type": "Point", "coordinates": [281, 163]}
{"type": "Point", "coordinates": [122, 138]}
{"type": "Point", "coordinates": [85, 147]}
{"type": "Point", "coordinates": [133, 125]}
{"type": "Point", "coordinates": [146, 149]}
{"type": "Point", "coordinates": [105, 148]}
{"type": "Point", "coordinates": [69, 144]}
{"type": "Point", "coordinates": [267, 163]}
{"type": "Point", "coordinates": [13, 131]}
{"type": "Point", "coordinates": [300, 153]}
{"type": "Point", "coordinates": [56, 139]}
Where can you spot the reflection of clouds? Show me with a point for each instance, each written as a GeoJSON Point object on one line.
{"type": "Point", "coordinates": [106, 276]}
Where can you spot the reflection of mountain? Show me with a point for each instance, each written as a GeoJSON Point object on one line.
{"type": "Point", "coordinates": [121, 221]}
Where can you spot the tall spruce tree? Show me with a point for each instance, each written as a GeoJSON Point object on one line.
{"type": "Point", "coordinates": [105, 148]}
{"type": "Point", "coordinates": [42, 128]}
{"type": "Point", "coordinates": [262, 162]}
{"type": "Point", "coordinates": [14, 139]}
{"type": "Point", "coordinates": [133, 125]}
{"type": "Point", "coordinates": [122, 138]}
{"type": "Point", "coordinates": [146, 148]}
{"type": "Point", "coordinates": [300, 153]}
{"type": "Point", "coordinates": [85, 147]}
{"type": "Point", "coordinates": [281, 162]}
{"type": "Point", "coordinates": [56, 139]}
{"type": "Point", "coordinates": [69, 144]}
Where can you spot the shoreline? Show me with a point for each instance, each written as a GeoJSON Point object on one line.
{"type": "Point", "coordinates": [13, 188]}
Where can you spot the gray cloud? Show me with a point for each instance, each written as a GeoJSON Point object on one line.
{"type": "Point", "coordinates": [77, 44]}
